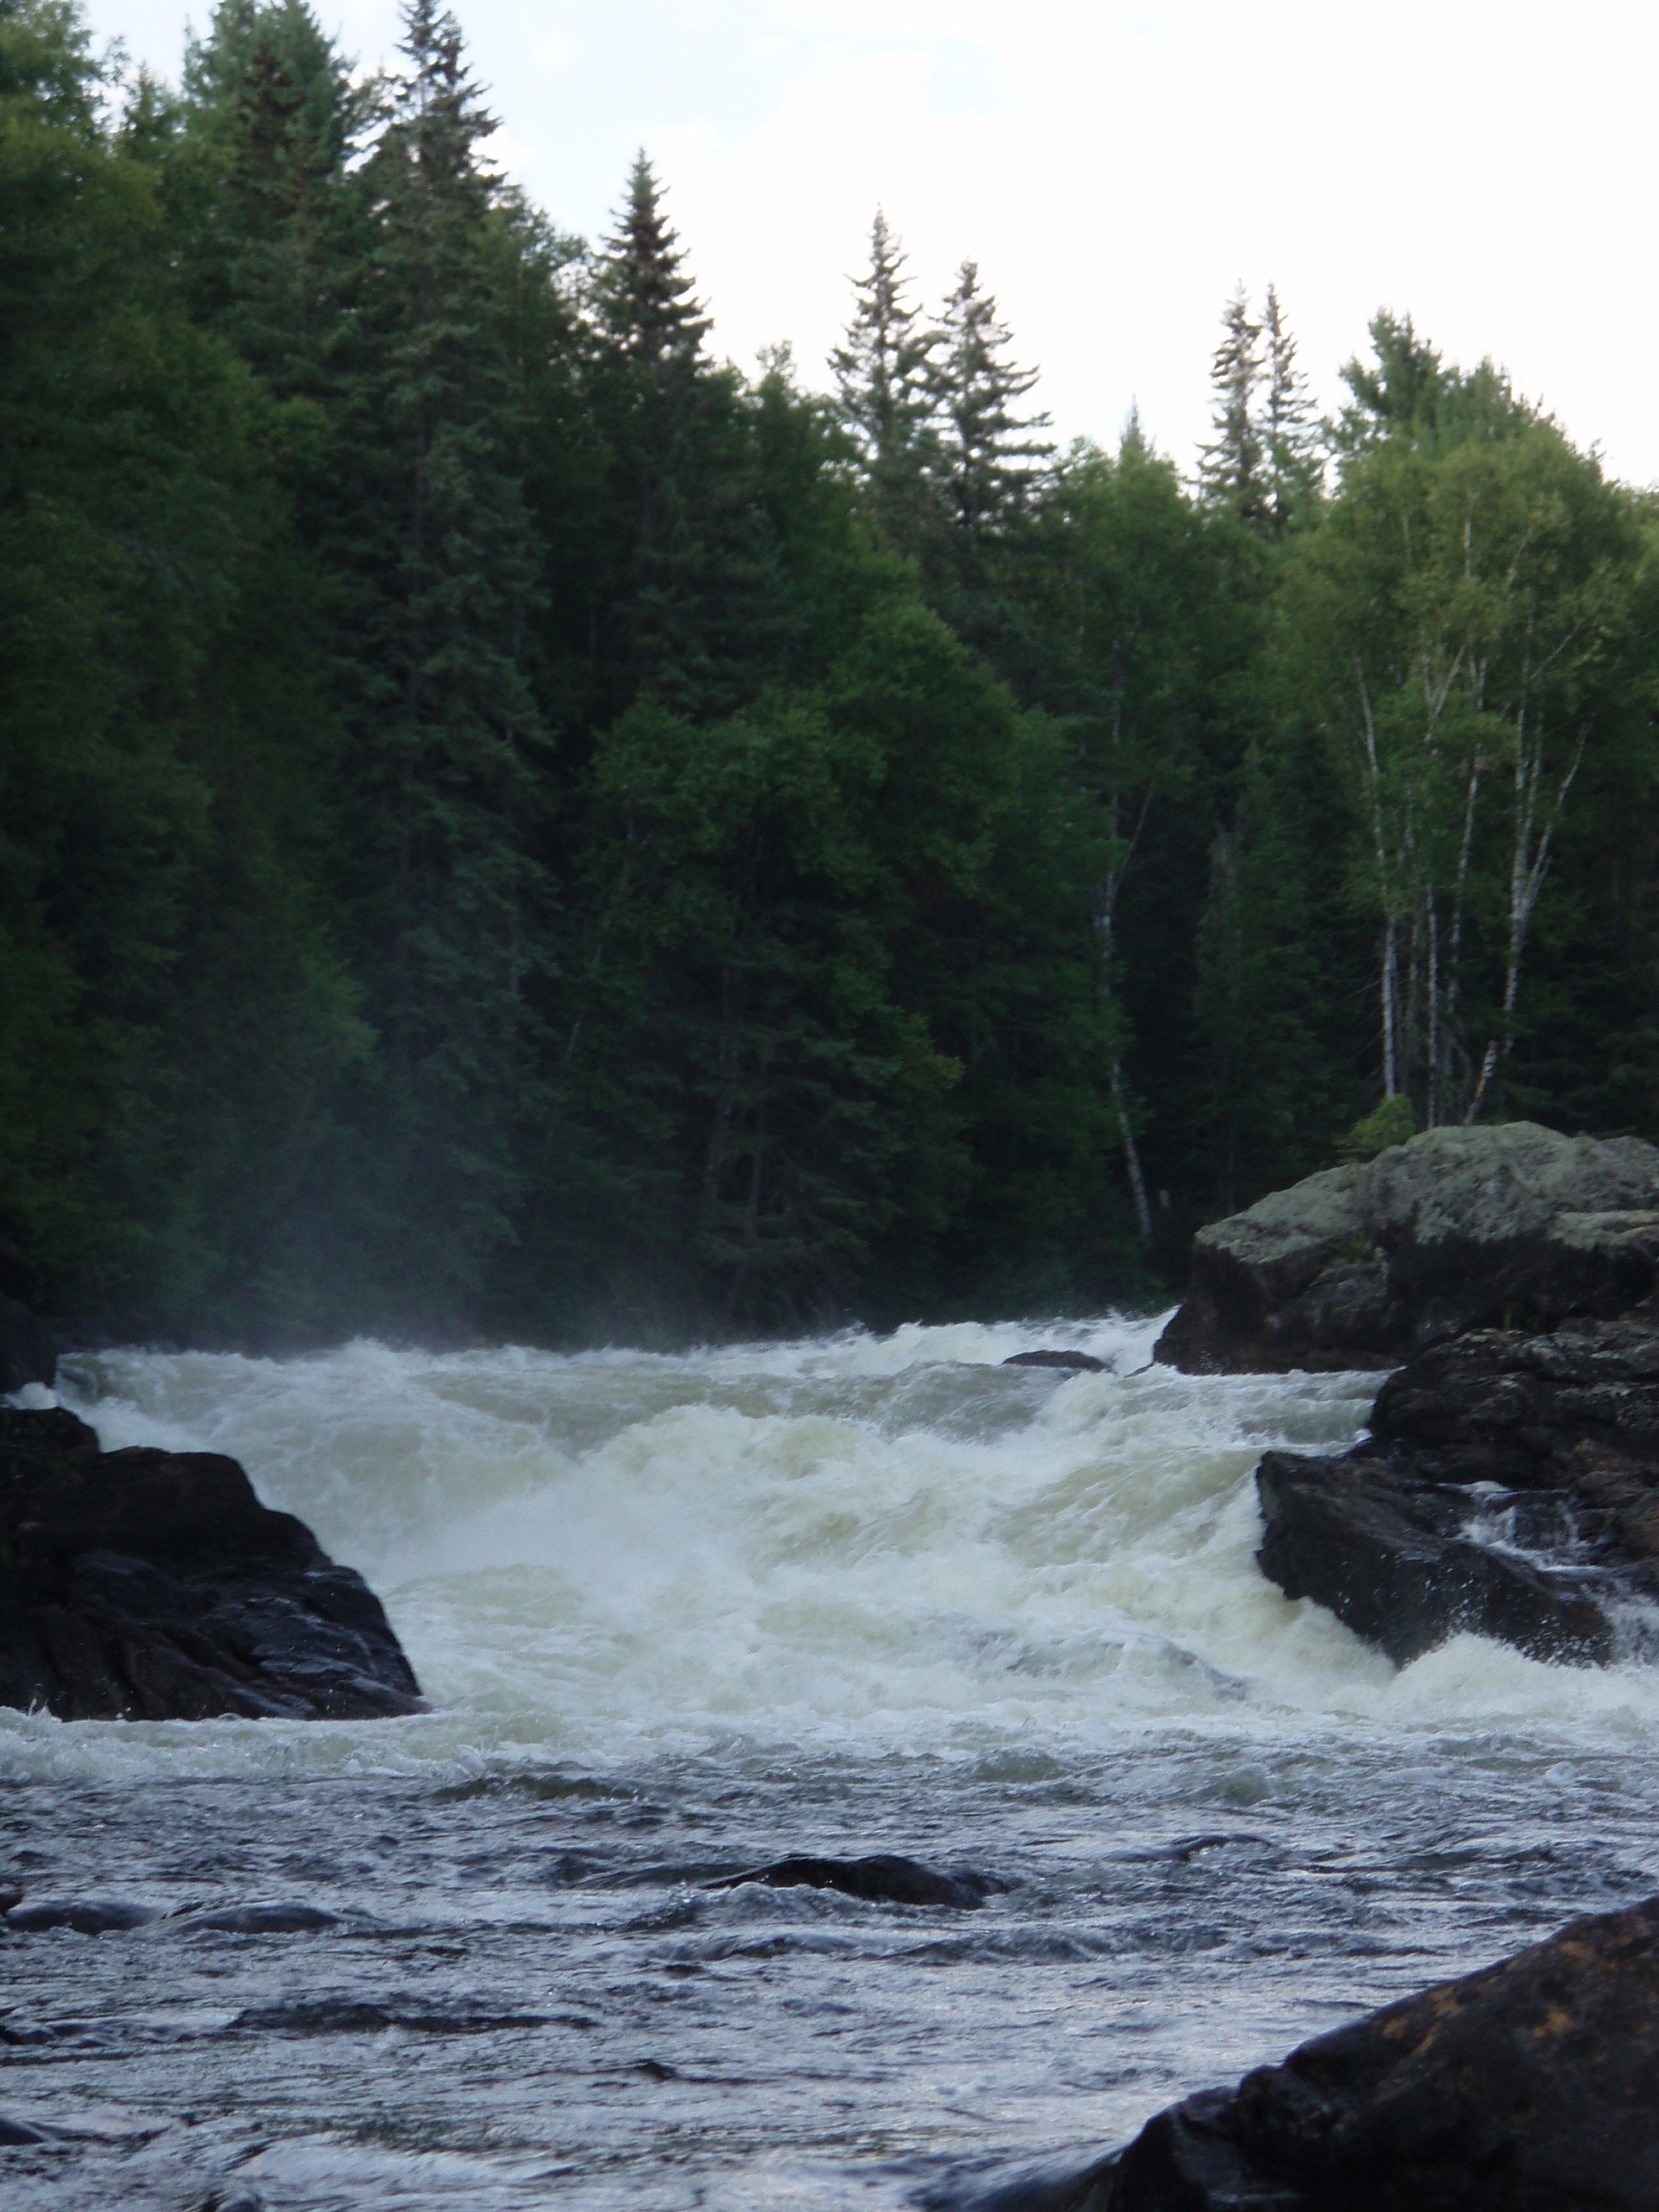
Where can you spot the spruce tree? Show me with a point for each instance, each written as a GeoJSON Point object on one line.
{"type": "Point", "coordinates": [883, 380]}
{"type": "Point", "coordinates": [687, 619]}
{"type": "Point", "coordinates": [1289, 433]}
{"type": "Point", "coordinates": [446, 782]}
{"type": "Point", "coordinates": [992, 457]}
{"type": "Point", "coordinates": [1231, 467]}
{"type": "Point", "coordinates": [272, 121]}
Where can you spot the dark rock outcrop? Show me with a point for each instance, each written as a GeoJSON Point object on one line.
{"type": "Point", "coordinates": [1082, 1363]}
{"type": "Point", "coordinates": [1509, 1486]}
{"type": "Point", "coordinates": [1401, 1560]}
{"type": "Point", "coordinates": [1458, 1229]}
{"type": "Point", "coordinates": [1531, 2087]}
{"type": "Point", "coordinates": [28, 1350]}
{"type": "Point", "coordinates": [154, 1585]}
{"type": "Point", "coordinates": [883, 1879]}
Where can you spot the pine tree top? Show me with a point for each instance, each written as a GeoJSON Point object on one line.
{"type": "Point", "coordinates": [994, 455]}
{"type": "Point", "coordinates": [647, 296]}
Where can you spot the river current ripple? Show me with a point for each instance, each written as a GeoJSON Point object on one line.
{"type": "Point", "coordinates": [679, 1616]}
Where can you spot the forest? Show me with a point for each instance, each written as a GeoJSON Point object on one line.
{"type": "Point", "coordinates": [512, 827]}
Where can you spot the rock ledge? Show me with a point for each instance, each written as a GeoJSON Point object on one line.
{"type": "Point", "coordinates": [1458, 1229]}
{"type": "Point", "coordinates": [154, 1585]}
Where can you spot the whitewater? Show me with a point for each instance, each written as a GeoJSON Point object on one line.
{"type": "Point", "coordinates": [678, 1615]}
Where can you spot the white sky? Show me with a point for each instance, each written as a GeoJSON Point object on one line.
{"type": "Point", "coordinates": [1485, 165]}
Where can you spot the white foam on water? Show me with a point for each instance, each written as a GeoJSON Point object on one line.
{"type": "Point", "coordinates": [853, 1544]}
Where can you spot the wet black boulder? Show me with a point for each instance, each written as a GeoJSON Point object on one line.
{"type": "Point", "coordinates": [882, 1879]}
{"type": "Point", "coordinates": [1509, 1486]}
{"type": "Point", "coordinates": [1080, 1363]}
{"type": "Point", "coordinates": [1530, 2087]}
{"type": "Point", "coordinates": [1407, 1562]}
{"type": "Point", "coordinates": [154, 1585]}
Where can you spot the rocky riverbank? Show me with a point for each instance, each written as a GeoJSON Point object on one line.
{"type": "Point", "coordinates": [153, 1585]}
{"type": "Point", "coordinates": [1509, 1482]}
{"type": "Point", "coordinates": [1531, 2087]}
{"type": "Point", "coordinates": [1458, 1229]}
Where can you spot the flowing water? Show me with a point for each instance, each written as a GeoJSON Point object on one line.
{"type": "Point", "coordinates": [677, 1616]}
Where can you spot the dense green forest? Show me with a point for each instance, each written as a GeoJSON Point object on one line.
{"type": "Point", "coordinates": [508, 826]}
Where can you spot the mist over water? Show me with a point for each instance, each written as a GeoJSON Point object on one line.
{"type": "Point", "coordinates": [676, 1615]}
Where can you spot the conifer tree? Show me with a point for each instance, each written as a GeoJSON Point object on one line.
{"type": "Point", "coordinates": [1231, 466]}
{"type": "Point", "coordinates": [884, 379]}
{"type": "Point", "coordinates": [448, 744]}
{"type": "Point", "coordinates": [271, 120]}
{"type": "Point", "coordinates": [991, 456]}
{"type": "Point", "coordinates": [687, 620]}
{"type": "Point", "coordinates": [1289, 435]}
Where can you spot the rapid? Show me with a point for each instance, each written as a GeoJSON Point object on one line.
{"type": "Point", "coordinates": [678, 1615]}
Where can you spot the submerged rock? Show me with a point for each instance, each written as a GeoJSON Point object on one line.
{"type": "Point", "coordinates": [1530, 2087]}
{"type": "Point", "coordinates": [16, 2133]}
{"type": "Point", "coordinates": [1084, 1362]}
{"type": "Point", "coordinates": [262, 1920]}
{"type": "Point", "coordinates": [883, 1879]}
{"type": "Point", "coordinates": [85, 1916]}
{"type": "Point", "coordinates": [154, 1585]}
{"type": "Point", "coordinates": [1457, 1230]}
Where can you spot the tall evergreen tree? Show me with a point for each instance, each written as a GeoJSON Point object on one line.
{"type": "Point", "coordinates": [884, 375]}
{"type": "Point", "coordinates": [992, 457]}
{"type": "Point", "coordinates": [271, 120]}
{"type": "Point", "coordinates": [1231, 467]}
{"type": "Point", "coordinates": [689, 620]}
{"type": "Point", "coordinates": [445, 780]}
{"type": "Point", "coordinates": [1290, 437]}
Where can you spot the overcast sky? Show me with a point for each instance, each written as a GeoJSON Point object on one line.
{"type": "Point", "coordinates": [1114, 170]}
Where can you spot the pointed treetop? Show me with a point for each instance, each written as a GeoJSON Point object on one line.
{"type": "Point", "coordinates": [882, 371]}
{"type": "Point", "coordinates": [1289, 433]}
{"type": "Point", "coordinates": [1230, 467]}
{"type": "Point", "coordinates": [994, 456]}
{"type": "Point", "coordinates": [646, 293]}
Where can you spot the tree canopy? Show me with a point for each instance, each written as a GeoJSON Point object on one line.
{"type": "Point", "coordinates": [511, 824]}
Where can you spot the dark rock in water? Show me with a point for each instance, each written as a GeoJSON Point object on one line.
{"type": "Point", "coordinates": [14, 2133]}
{"type": "Point", "coordinates": [28, 1350]}
{"type": "Point", "coordinates": [1084, 1362]}
{"type": "Point", "coordinates": [1577, 1409]}
{"type": "Point", "coordinates": [86, 1916]}
{"type": "Point", "coordinates": [1532, 2087]}
{"type": "Point", "coordinates": [263, 1919]}
{"type": "Point", "coordinates": [1509, 1486]}
{"type": "Point", "coordinates": [1393, 1557]}
{"type": "Point", "coordinates": [154, 1585]}
{"type": "Point", "coordinates": [1458, 1229]}
{"type": "Point", "coordinates": [881, 1880]}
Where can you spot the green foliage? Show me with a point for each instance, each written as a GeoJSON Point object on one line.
{"type": "Point", "coordinates": [508, 824]}
{"type": "Point", "coordinates": [1388, 1123]}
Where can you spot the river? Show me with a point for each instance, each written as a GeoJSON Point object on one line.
{"type": "Point", "coordinates": [680, 1615]}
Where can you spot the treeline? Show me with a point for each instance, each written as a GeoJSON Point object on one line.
{"type": "Point", "coordinates": [508, 826]}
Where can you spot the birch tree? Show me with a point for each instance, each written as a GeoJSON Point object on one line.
{"type": "Point", "coordinates": [1458, 624]}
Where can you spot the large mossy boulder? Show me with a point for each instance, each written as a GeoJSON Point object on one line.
{"type": "Point", "coordinates": [1530, 2087]}
{"type": "Point", "coordinates": [154, 1585]}
{"type": "Point", "coordinates": [1459, 1229]}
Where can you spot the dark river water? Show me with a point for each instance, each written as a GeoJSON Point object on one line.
{"type": "Point", "coordinates": [680, 1616]}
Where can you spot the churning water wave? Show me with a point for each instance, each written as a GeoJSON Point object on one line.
{"type": "Point", "coordinates": [680, 1615]}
